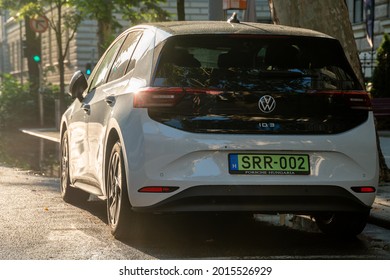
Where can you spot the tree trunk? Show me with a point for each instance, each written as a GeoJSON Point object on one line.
{"type": "Point", "coordinates": [327, 16]}
{"type": "Point", "coordinates": [180, 10]}
{"type": "Point", "coordinates": [104, 35]}
{"type": "Point", "coordinates": [330, 17]}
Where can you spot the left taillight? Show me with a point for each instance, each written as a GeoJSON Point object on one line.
{"type": "Point", "coordinates": [157, 97]}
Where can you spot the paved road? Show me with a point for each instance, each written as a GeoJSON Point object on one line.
{"type": "Point", "coordinates": [37, 224]}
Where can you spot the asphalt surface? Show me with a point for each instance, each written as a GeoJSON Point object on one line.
{"type": "Point", "coordinates": [37, 224]}
{"type": "Point", "coordinates": [380, 212]}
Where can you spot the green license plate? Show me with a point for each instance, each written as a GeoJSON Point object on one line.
{"type": "Point", "coordinates": [269, 164]}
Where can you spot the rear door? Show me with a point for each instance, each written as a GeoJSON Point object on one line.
{"type": "Point", "coordinates": [105, 95]}
{"type": "Point", "coordinates": [90, 112]}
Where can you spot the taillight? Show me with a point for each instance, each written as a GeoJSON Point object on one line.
{"type": "Point", "coordinates": [364, 189]}
{"type": "Point", "coordinates": [358, 100]}
{"type": "Point", "coordinates": [166, 97]}
{"type": "Point", "coordinates": [155, 189]}
{"type": "Point", "coordinates": [157, 97]}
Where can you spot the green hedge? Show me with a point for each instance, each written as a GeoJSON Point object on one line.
{"type": "Point", "coordinates": [19, 108]}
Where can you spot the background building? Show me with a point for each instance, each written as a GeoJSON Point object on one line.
{"type": "Point", "coordinates": [357, 15]}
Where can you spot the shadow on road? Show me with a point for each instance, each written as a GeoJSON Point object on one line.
{"type": "Point", "coordinates": [193, 236]}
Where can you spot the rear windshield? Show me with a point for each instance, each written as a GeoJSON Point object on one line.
{"type": "Point", "coordinates": [261, 63]}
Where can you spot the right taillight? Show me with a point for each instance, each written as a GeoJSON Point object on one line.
{"type": "Point", "coordinates": [357, 100]}
{"type": "Point", "coordinates": [365, 189]}
{"type": "Point", "coordinates": [157, 97]}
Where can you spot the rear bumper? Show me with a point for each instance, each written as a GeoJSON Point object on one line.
{"type": "Point", "coordinates": [260, 199]}
{"type": "Point", "coordinates": [158, 155]}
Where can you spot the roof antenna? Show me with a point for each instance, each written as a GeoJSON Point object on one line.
{"type": "Point", "coordinates": [233, 18]}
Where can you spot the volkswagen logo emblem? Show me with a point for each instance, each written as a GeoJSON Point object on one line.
{"type": "Point", "coordinates": [267, 104]}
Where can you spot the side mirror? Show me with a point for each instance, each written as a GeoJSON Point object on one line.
{"type": "Point", "coordinates": [78, 84]}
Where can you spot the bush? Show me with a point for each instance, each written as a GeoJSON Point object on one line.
{"type": "Point", "coordinates": [17, 105]}
{"type": "Point", "coordinates": [19, 108]}
{"type": "Point", "coordinates": [381, 77]}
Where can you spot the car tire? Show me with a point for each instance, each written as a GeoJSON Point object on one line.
{"type": "Point", "coordinates": [121, 219]}
{"type": "Point", "coordinates": [343, 224]}
{"type": "Point", "coordinates": [68, 193]}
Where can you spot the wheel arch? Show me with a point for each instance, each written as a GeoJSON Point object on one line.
{"type": "Point", "coordinates": [64, 127]}
{"type": "Point", "coordinates": [113, 136]}
{"type": "Point", "coordinates": [66, 120]}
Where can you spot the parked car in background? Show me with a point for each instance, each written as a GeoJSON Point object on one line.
{"type": "Point", "coordinates": [222, 117]}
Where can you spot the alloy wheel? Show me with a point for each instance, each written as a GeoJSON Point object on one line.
{"type": "Point", "coordinates": [114, 188]}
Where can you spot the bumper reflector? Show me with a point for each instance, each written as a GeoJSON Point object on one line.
{"type": "Point", "coordinates": [157, 189]}
{"type": "Point", "coordinates": [364, 189]}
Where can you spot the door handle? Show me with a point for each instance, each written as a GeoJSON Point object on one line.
{"type": "Point", "coordinates": [110, 100]}
{"type": "Point", "coordinates": [86, 108]}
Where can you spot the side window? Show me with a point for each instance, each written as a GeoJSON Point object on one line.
{"type": "Point", "coordinates": [142, 47]}
{"type": "Point", "coordinates": [124, 55]}
{"type": "Point", "coordinates": [98, 77]}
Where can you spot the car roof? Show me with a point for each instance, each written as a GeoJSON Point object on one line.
{"type": "Point", "coordinates": [172, 28]}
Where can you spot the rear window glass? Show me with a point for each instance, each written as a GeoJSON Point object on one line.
{"type": "Point", "coordinates": [247, 62]}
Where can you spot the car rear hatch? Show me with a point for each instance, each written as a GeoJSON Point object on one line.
{"type": "Point", "coordinates": [254, 84]}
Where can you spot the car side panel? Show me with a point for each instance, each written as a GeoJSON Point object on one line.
{"type": "Point", "coordinates": [78, 142]}
{"type": "Point", "coordinates": [102, 106]}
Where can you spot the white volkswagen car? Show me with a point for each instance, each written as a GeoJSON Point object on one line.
{"type": "Point", "coordinates": [222, 117]}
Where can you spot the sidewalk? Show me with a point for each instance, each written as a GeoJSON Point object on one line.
{"type": "Point", "coordinates": [380, 213]}
{"type": "Point", "coordinates": [51, 134]}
